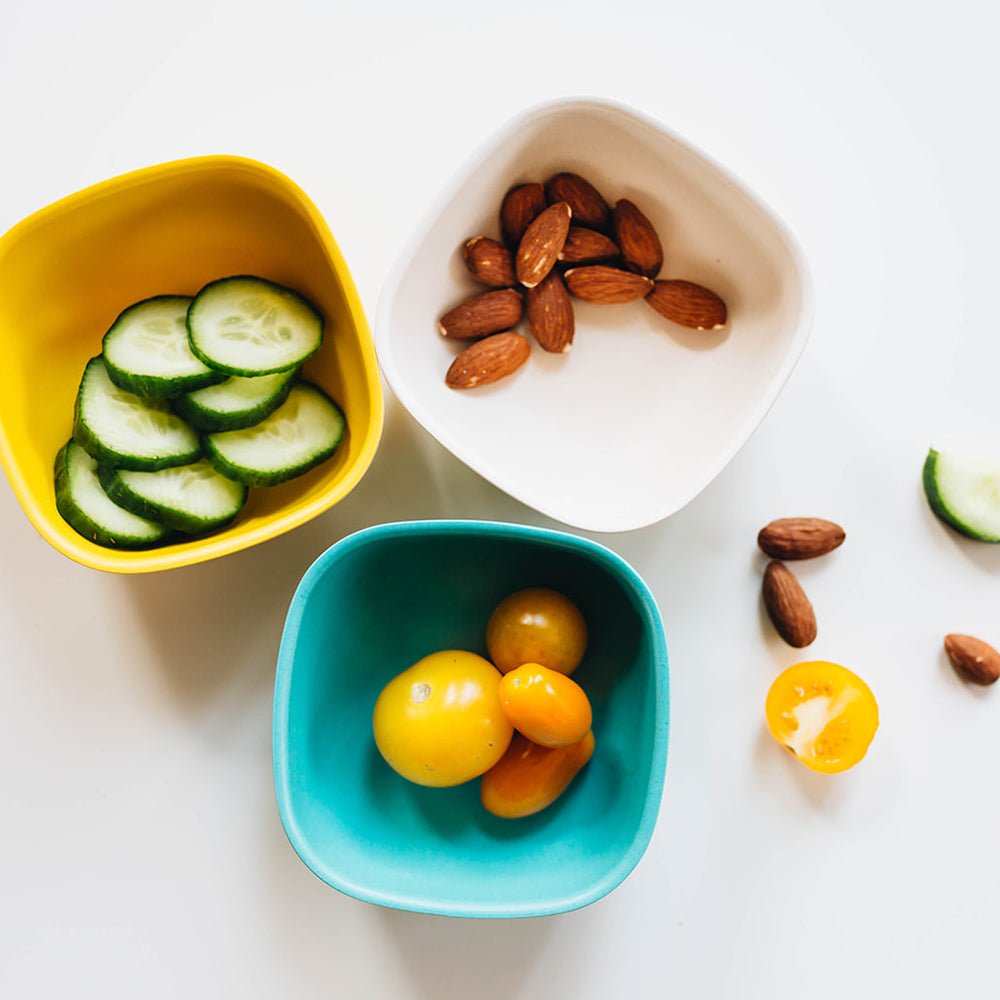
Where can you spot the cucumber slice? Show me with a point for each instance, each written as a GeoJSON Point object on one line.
{"type": "Point", "coordinates": [189, 498]}
{"type": "Point", "coordinates": [88, 510]}
{"type": "Point", "coordinates": [236, 403]}
{"type": "Point", "coordinates": [147, 350]}
{"type": "Point", "coordinates": [119, 428]}
{"type": "Point", "coordinates": [303, 432]}
{"type": "Point", "coordinates": [965, 493]}
{"type": "Point", "coordinates": [248, 326]}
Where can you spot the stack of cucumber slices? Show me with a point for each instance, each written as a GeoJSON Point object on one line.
{"type": "Point", "coordinates": [191, 402]}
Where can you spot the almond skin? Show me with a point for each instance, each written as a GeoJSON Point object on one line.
{"type": "Point", "coordinates": [542, 243]}
{"type": "Point", "coordinates": [688, 304]}
{"type": "Point", "coordinates": [521, 205]}
{"type": "Point", "coordinates": [787, 606]}
{"type": "Point", "coordinates": [488, 361]}
{"type": "Point", "coordinates": [587, 246]}
{"type": "Point", "coordinates": [490, 262]}
{"type": "Point", "coordinates": [974, 659]}
{"type": "Point", "coordinates": [589, 208]}
{"type": "Point", "coordinates": [640, 246]}
{"type": "Point", "coordinates": [800, 538]}
{"type": "Point", "coordinates": [550, 314]}
{"type": "Point", "coordinates": [488, 312]}
{"type": "Point", "coordinates": [606, 285]}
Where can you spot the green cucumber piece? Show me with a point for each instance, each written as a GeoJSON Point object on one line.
{"type": "Point", "coordinates": [88, 510]}
{"type": "Point", "coordinates": [248, 326]}
{"type": "Point", "coordinates": [303, 432]}
{"type": "Point", "coordinates": [127, 431]}
{"type": "Point", "coordinates": [190, 498]}
{"type": "Point", "coordinates": [965, 493]}
{"type": "Point", "coordinates": [147, 351]}
{"type": "Point", "coordinates": [236, 403]}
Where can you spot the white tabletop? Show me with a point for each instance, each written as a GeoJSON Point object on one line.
{"type": "Point", "coordinates": [142, 852]}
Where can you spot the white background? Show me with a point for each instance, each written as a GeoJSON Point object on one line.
{"type": "Point", "coordinates": [141, 849]}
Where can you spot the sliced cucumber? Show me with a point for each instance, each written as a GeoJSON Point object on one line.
{"type": "Point", "coordinates": [965, 493]}
{"type": "Point", "coordinates": [249, 326]}
{"type": "Point", "coordinates": [119, 428]}
{"type": "Point", "coordinates": [187, 497]}
{"type": "Point", "coordinates": [147, 350]}
{"type": "Point", "coordinates": [88, 510]}
{"type": "Point", "coordinates": [236, 403]}
{"type": "Point", "coordinates": [303, 432]}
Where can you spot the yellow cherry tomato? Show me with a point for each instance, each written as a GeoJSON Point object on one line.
{"type": "Point", "coordinates": [547, 707]}
{"type": "Point", "coordinates": [530, 778]}
{"type": "Point", "coordinates": [823, 714]}
{"type": "Point", "coordinates": [440, 722]}
{"type": "Point", "coordinates": [537, 626]}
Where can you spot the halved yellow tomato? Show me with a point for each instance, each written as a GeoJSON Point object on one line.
{"type": "Point", "coordinates": [440, 722]}
{"type": "Point", "coordinates": [822, 713]}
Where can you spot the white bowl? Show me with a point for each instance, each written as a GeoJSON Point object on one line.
{"type": "Point", "coordinates": [641, 415]}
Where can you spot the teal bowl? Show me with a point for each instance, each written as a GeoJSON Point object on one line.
{"type": "Point", "coordinates": [378, 601]}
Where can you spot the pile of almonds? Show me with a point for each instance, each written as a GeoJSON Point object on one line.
{"type": "Point", "coordinates": [561, 240]}
{"type": "Point", "coordinates": [791, 611]}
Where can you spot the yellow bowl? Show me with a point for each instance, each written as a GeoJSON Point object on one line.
{"type": "Point", "coordinates": [69, 269]}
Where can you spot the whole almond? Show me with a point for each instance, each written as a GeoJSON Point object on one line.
{"type": "Point", "coordinates": [688, 304]}
{"type": "Point", "coordinates": [542, 243]}
{"type": "Point", "coordinates": [488, 361]}
{"type": "Point", "coordinates": [521, 205]}
{"type": "Point", "coordinates": [787, 606]}
{"type": "Point", "coordinates": [974, 659]}
{"type": "Point", "coordinates": [488, 312]}
{"type": "Point", "coordinates": [550, 314]}
{"type": "Point", "coordinates": [800, 538]}
{"type": "Point", "coordinates": [606, 285]}
{"type": "Point", "coordinates": [490, 262]}
{"type": "Point", "coordinates": [640, 246]}
{"type": "Point", "coordinates": [587, 246]}
{"type": "Point", "coordinates": [589, 208]}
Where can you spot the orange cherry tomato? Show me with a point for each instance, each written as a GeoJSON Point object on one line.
{"type": "Point", "coordinates": [537, 626]}
{"type": "Point", "coordinates": [823, 714]}
{"type": "Point", "coordinates": [547, 707]}
{"type": "Point", "coordinates": [440, 722]}
{"type": "Point", "coordinates": [529, 778]}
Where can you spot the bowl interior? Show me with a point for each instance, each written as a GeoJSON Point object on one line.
{"type": "Point", "coordinates": [66, 273]}
{"type": "Point", "coordinates": [379, 601]}
{"type": "Point", "coordinates": [641, 414]}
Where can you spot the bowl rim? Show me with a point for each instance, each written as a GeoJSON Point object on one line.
{"type": "Point", "coordinates": [412, 401]}
{"type": "Point", "coordinates": [221, 544]}
{"type": "Point", "coordinates": [644, 602]}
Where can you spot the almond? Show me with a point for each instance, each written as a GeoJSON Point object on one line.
{"type": "Point", "coordinates": [520, 206]}
{"type": "Point", "coordinates": [489, 262]}
{"type": "Point", "coordinates": [606, 285]}
{"type": "Point", "coordinates": [640, 246]}
{"type": "Point", "coordinates": [688, 304]}
{"type": "Point", "coordinates": [974, 659]}
{"type": "Point", "coordinates": [589, 208]}
{"type": "Point", "coordinates": [550, 314]}
{"type": "Point", "coordinates": [542, 243]}
{"type": "Point", "coordinates": [587, 246]}
{"type": "Point", "coordinates": [488, 312]}
{"type": "Point", "coordinates": [488, 361]}
{"type": "Point", "coordinates": [787, 606]}
{"type": "Point", "coordinates": [800, 538]}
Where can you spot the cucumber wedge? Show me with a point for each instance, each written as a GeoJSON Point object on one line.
{"type": "Point", "coordinates": [303, 432]}
{"type": "Point", "coordinates": [965, 493]}
{"type": "Point", "coordinates": [248, 326]}
{"type": "Point", "coordinates": [190, 498]}
{"type": "Point", "coordinates": [127, 431]}
{"type": "Point", "coordinates": [147, 352]}
{"type": "Point", "coordinates": [236, 403]}
{"type": "Point", "coordinates": [88, 510]}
